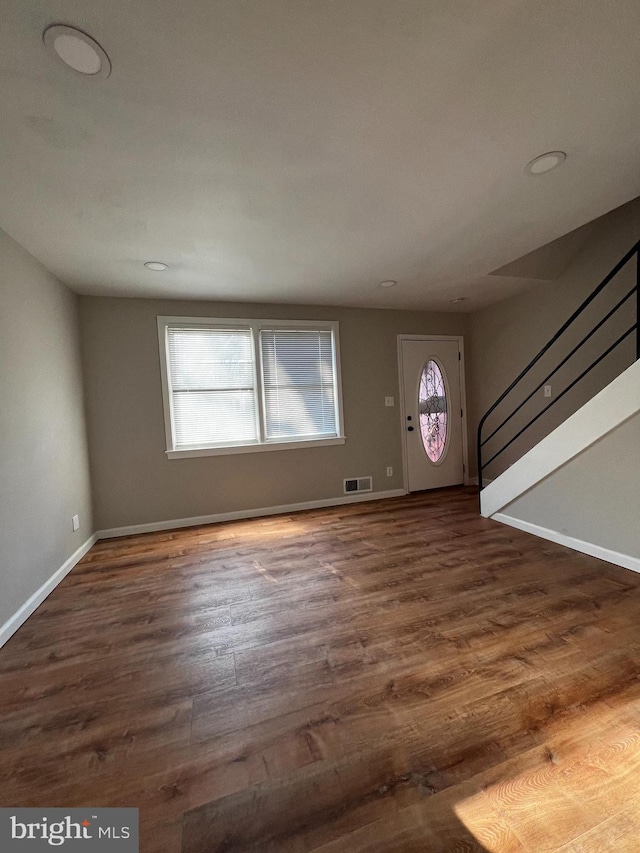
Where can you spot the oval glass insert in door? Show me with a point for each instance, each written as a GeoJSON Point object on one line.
{"type": "Point", "coordinates": [432, 411]}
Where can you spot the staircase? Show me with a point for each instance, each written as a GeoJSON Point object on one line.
{"type": "Point", "coordinates": [580, 484]}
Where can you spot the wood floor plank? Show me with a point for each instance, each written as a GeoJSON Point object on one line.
{"type": "Point", "coordinates": [401, 675]}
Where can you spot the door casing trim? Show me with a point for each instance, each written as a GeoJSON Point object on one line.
{"type": "Point", "coordinates": [463, 397]}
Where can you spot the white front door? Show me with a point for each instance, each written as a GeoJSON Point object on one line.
{"type": "Point", "coordinates": [432, 412]}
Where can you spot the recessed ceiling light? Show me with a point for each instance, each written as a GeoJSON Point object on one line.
{"type": "Point", "coordinates": [77, 50]}
{"type": "Point", "coordinates": [156, 266]}
{"type": "Point", "coordinates": [388, 283]}
{"type": "Point", "coordinates": [458, 299]}
{"type": "Point", "coordinates": [545, 163]}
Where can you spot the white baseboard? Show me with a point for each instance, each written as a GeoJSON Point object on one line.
{"type": "Point", "coordinates": [195, 521]}
{"type": "Point", "coordinates": [20, 616]}
{"type": "Point", "coordinates": [615, 557]}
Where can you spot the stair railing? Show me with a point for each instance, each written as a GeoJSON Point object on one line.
{"type": "Point", "coordinates": [635, 290]}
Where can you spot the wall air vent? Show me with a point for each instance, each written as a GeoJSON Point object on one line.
{"type": "Point", "coordinates": [358, 484]}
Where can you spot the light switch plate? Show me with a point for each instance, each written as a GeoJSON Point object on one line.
{"type": "Point", "coordinates": [389, 401]}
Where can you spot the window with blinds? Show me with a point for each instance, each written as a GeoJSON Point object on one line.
{"type": "Point", "coordinates": [299, 383]}
{"type": "Point", "coordinates": [213, 392]}
{"type": "Point", "coordinates": [251, 386]}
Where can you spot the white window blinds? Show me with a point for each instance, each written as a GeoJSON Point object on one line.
{"type": "Point", "coordinates": [212, 386]}
{"type": "Point", "coordinates": [299, 383]}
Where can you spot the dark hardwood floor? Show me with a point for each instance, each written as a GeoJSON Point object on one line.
{"type": "Point", "coordinates": [401, 675]}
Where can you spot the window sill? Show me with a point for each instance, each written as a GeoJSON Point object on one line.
{"type": "Point", "coordinates": [253, 448]}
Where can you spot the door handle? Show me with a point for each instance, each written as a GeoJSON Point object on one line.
{"type": "Point", "coordinates": [409, 429]}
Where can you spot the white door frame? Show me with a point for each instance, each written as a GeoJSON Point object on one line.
{"type": "Point", "coordinates": [463, 397]}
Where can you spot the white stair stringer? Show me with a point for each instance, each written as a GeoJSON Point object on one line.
{"type": "Point", "coordinates": [605, 412]}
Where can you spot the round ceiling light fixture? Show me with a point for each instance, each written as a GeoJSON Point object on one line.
{"type": "Point", "coordinates": [388, 283]}
{"type": "Point", "coordinates": [156, 266]}
{"type": "Point", "coordinates": [77, 50]}
{"type": "Point", "coordinates": [545, 163]}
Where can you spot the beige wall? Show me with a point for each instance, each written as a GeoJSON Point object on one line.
{"type": "Point", "coordinates": [594, 497]}
{"type": "Point", "coordinates": [504, 337]}
{"type": "Point", "coordinates": [135, 483]}
{"type": "Point", "coordinates": [44, 472]}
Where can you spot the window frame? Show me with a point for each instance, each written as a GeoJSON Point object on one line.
{"type": "Point", "coordinates": [262, 444]}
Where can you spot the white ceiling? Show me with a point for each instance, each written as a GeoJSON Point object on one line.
{"type": "Point", "coordinates": [304, 150]}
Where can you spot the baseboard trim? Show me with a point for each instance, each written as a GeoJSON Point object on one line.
{"type": "Point", "coordinates": [31, 604]}
{"type": "Point", "coordinates": [216, 518]}
{"type": "Point", "coordinates": [615, 557]}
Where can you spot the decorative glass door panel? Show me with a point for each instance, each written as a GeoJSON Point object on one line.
{"type": "Point", "coordinates": [432, 411]}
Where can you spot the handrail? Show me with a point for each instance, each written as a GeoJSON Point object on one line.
{"type": "Point", "coordinates": [634, 251]}
{"type": "Point", "coordinates": [562, 364]}
{"type": "Point", "coordinates": [568, 388]}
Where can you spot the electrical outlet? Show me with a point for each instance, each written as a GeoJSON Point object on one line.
{"type": "Point", "coordinates": [389, 471]}
{"type": "Point", "coordinates": [389, 401]}
{"type": "Point", "coordinates": [547, 390]}
{"type": "Point", "coordinates": [75, 521]}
